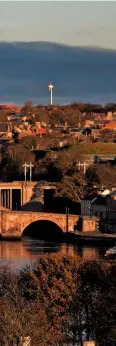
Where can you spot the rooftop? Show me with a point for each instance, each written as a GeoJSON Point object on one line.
{"type": "Point", "coordinates": [95, 194]}
{"type": "Point", "coordinates": [99, 200]}
{"type": "Point", "coordinates": [113, 193]}
{"type": "Point", "coordinates": [91, 196]}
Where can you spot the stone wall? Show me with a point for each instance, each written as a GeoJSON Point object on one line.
{"type": "Point", "coordinates": [26, 189]}
{"type": "Point", "coordinates": [30, 190]}
{"type": "Point", "coordinates": [13, 223]}
{"type": "Point", "coordinates": [88, 224]}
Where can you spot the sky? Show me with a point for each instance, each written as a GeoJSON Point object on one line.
{"type": "Point", "coordinates": [76, 23]}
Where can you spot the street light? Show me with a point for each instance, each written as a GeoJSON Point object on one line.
{"type": "Point", "coordinates": [67, 214]}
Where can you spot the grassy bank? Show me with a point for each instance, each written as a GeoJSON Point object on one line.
{"type": "Point", "coordinates": [93, 149]}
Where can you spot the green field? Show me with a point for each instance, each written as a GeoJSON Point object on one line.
{"type": "Point", "coordinates": [93, 149]}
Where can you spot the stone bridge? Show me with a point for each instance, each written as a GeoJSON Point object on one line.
{"type": "Point", "coordinates": [13, 223]}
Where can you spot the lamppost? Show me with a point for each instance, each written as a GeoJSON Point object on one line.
{"type": "Point", "coordinates": [67, 218]}
{"type": "Point", "coordinates": [90, 209]}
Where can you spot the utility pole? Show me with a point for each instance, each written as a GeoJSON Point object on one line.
{"type": "Point", "coordinates": [25, 170]}
{"type": "Point", "coordinates": [31, 166]}
{"type": "Point", "coordinates": [30, 169]}
{"type": "Point", "coordinates": [84, 165]}
{"type": "Point", "coordinates": [79, 122]}
{"type": "Point", "coordinates": [79, 165]}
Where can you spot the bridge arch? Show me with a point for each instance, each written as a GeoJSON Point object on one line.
{"type": "Point", "coordinates": [44, 230]}
{"type": "Point", "coordinates": [13, 223]}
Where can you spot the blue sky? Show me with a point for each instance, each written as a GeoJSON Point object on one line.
{"type": "Point", "coordinates": [89, 23]}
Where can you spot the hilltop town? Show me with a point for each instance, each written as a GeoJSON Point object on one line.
{"type": "Point", "coordinates": [71, 147]}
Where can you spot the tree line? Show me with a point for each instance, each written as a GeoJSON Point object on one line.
{"type": "Point", "coordinates": [59, 167]}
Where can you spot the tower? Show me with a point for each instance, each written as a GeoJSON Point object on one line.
{"type": "Point", "coordinates": [50, 87]}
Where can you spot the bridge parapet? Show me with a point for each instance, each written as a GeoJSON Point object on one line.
{"type": "Point", "coordinates": [13, 223]}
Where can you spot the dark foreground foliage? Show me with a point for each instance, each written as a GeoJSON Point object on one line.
{"type": "Point", "coordinates": [59, 301]}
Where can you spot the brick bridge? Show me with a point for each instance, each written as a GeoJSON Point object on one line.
{"type": "Point", "coordinates": [13, 223]}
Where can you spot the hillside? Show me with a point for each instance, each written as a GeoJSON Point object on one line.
{"type": "Point", "coordinates": [83, 149]}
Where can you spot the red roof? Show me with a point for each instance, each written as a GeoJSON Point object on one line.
{"type": "Point", "coordinates": [12, 107]}
{"type": "Point", "coordinates": [110, 125]}
{"type": "Point", "coordinates": [41, 130]}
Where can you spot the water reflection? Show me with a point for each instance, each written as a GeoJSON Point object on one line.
{"type": "Point", "coordinates": [20, 253]}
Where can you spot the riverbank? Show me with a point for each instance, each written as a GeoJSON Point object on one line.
{"type": "Point", "coordinates": [69, 238]}
{"type": "Point", "coordinates": [95, 238]}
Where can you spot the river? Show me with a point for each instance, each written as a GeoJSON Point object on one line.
{"type": "Point", "coordinates": [25, 252]}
